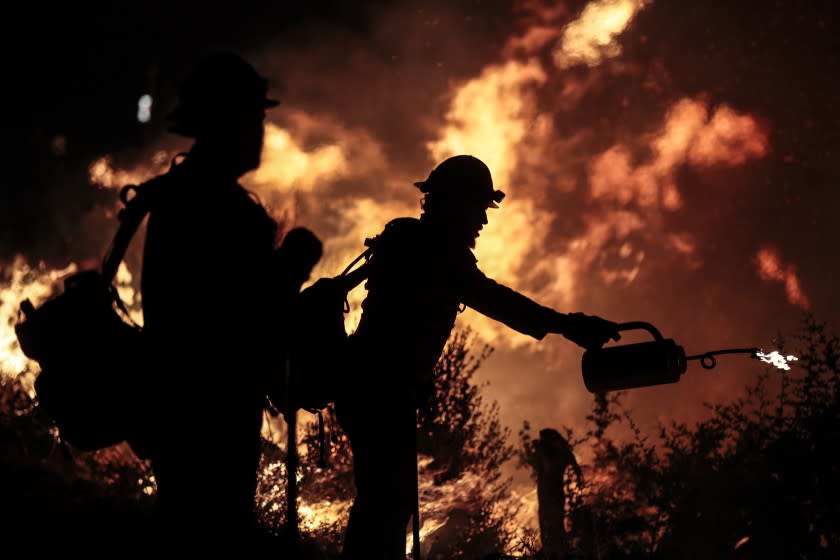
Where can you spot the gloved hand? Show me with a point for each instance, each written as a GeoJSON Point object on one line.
{"type": "Point", "coordinates": [588, 331]}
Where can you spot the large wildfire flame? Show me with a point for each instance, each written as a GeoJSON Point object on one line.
{"type": "Point", "coordinates": [518, 115]}
{"type": "Point", "coordinates": [24, 282]}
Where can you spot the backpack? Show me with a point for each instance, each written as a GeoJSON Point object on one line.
{"type": "Point", "coordinates": [317, 342]}
{"type": "Point", "coordinates": [90, 355]}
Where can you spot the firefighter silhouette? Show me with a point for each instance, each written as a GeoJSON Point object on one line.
{"type": "Point", "coordinates": [421, 273]}
{"type": "Point", "coordinates": [206, 283]}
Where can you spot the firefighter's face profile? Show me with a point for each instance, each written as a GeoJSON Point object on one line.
{"type": "Point", "coordinates": [465, 223]}
{"type": "Point", "coordinates": [238, 139]}
{"type": "Point", "coordinates": [248, 141]}
{"type": "Point", "coordinates": [474, 222]}
{"type": "Point", "coordinates": [462, 217]}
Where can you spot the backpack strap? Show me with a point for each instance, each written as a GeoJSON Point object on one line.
{"type": "Point", "coordinates": [138, 201]}
{"type": "Point", "coordinates": [130, 218]}
{"type": "Point", "coordinates": [352, 278]}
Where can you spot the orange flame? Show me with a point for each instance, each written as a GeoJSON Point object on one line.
{"type": "Point", "coordinates": [742, 541]}
{"type": "Point", "coordinates": [770, 267]}
{"type": "Point", "coordinates": [25, 282]}
{"type": "Point", "coordinates": [688, 135]}
{"type": "Point", "coordinates": [728, 138]}
{"type": "Point", "coordinates": [359, 219]}
{"type": "Point", "coordinates": [591, 37]}
{"type": "Point", "coordinates": [439, 501]}
{"type": "Point", "coordinates": [286, 165]}
{"type": "Point", "coordinates": [490, 115]}
{"type": "Point", "coordinates": [290, 164]}
{"type": "Point", "coordinates": [123, 282]}
{"type": "Point", "coordinates": [102, 171]}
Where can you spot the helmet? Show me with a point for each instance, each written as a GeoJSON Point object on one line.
{"type": "Point", "coordinates": [465, 177]}
{"type": "Point", "coordinates": [221, 84]}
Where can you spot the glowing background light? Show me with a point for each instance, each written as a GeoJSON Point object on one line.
{"type": "Point", "coordinates": [144, 108]}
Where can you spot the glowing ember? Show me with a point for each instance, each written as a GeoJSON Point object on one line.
{"type": "Point", "coordinates": [591, 37]}
{"type": "Point", "coordinates": [741, 542]}
{"type": "Point", "coordinates": [776, 359]}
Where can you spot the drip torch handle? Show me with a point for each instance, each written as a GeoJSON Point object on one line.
{"type": "Point", "coordinates": [632, 325]}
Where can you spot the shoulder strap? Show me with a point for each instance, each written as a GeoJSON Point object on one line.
{"type": "Point", "coordinates": [353, 278]}
{"type": "Point", "coordinates": [137, 205]}
{"type": "Point", "coordinates": [130, 218]}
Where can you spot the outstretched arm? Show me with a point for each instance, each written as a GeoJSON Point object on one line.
{"type": "Point", "coordinates": [522, 314]}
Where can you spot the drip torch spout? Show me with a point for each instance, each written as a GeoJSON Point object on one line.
{"type": "Point", "coordinates": [707, 359]}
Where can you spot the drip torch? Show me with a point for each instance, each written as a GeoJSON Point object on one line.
{"type": "Point", "coordinates": [657, 362]}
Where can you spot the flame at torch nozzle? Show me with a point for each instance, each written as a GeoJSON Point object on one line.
{"type": "Point", "coordinates": [776, 359]}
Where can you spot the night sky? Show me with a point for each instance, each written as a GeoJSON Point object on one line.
{"type": "Point", "coordinates": [738, 240]}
